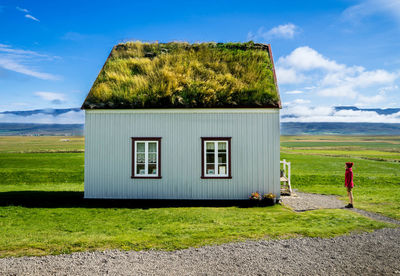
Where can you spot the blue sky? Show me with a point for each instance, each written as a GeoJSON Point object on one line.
{"type": "Point", "coordinates": [326, 53]}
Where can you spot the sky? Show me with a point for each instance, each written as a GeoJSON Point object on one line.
{"type": "Point", "coordinates": [327, 53]}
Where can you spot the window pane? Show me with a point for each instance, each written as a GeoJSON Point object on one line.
{"type": "Point", "coordinates": [140, 158]}
{"type": "Point", "coordinates": [210, 146]}
{"type": "Point", "coordinates": [222, 169]}
{"type": "Point", "coordinates": [210, 158]}
{"type": "Point", "coordinates": [152, 158]}
{"type": "Point", "coordinates": [210, 169]}
{"type": "Point", "coordinates": [140, 169]}
{"type": "Point", "coordinates": [140, 147]}
{"type": "Point", "coordinates": [152, 147]}
{"type": "Point", "coordinates": [222, 146]}
{"type": "Point", "coordinates": [221, 158]}
{"type": "Point", "coordinates": [152, 169]}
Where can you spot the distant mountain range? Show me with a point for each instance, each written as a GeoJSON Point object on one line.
{"type": "Point", "coordinates": [49, 111]}
{"type": "Point", "coordinates": [14, 129]}
{"type": "Point", "coordinates": [372, 129]}
{"type": "Point", "coordinates": [59, 118]}
{"type": "Point", "coordinates": [383, 111]}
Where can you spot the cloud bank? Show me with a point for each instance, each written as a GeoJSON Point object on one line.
{"type": "Point", "coordinates": [299, 112]}
{"type": "Point", "coordinates": [328, 78]}
{"type": "Point", "coordinates": [71, 117]}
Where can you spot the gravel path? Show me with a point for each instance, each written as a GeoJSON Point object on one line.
{"type": "Point", "coordinates": [304, 202]}
{"type": "Point", "coordinates": [376, 253]}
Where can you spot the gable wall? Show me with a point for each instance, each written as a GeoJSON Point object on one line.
{"type": "Point", "coordinates": [108, 152]}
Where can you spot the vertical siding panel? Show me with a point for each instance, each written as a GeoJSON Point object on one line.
{"type": "Point", "coordinates": [87, 137]}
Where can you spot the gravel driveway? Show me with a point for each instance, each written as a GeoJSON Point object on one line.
{"type": "Point", "coordinates": [376, 253]}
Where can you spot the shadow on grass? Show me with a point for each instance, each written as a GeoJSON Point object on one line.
{"type": "Point", "coordinates": [67, 199]}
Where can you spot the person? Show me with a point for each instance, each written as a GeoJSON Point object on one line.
{"type": "Point", "coordinates": [348, 183]}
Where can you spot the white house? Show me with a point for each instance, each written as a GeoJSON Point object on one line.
{"type": "Point", "coordinates": [183, 121]}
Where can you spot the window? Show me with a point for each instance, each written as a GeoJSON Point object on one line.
{"type": "Point", "coordinates": [146, 157]}
{"type": "Point", "coordinates": [216, 157]}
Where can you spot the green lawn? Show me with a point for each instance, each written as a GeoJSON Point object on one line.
{"type": "Point", "coordinates": [42, 210]}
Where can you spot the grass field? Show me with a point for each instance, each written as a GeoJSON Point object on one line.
{"type": "Point", "coordinates": [42, 210]}
{"type": "Point", "coordinates": [318, 167]}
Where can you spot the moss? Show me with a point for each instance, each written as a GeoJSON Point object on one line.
{"type": "Point", "coordinates": [145, 75]}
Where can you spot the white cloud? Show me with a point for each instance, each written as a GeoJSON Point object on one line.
{"type": "Point", "coordinates": [371, 100]}
{"type": "Point", "coordinates": [17, 60]}
{"type": "Point", "coordinates": [32, 17]}
{"type": "Point", "coordinates": [305, 58]}
{"type": "Point", "coordinates": [20, 68]}
{"type": "Point", "coordinates": [298, 102]}
{"type": "Point", "coordinates": [7, 49]}
{"type": "Point", "coordinates": [22, 10]}
{"type": "Point", "coordinates": [283, 31]}
{"type": "Point", "coordinates": [71, 117]}
{"type": "Point", "coordinates": [328, 78]}
{"type": "Point", "coordinates": [287, 31]}
{"type": "Point", "coordinates": [55, 98]}
{"type": "Point", "coordinates": [344, 91]}
{"type": "Point", "coordinates": [29, 16]}
{"type": "Point", "coordinates": [289, 75]}
{"type": "Point", "coordinates": [305, 114]}
{"type": "Point", "coordinates": [367, 8]}
{"type": "Point", "coordinates": [368, 78]}
{"type": "Point", "coordinates": [294, 92]}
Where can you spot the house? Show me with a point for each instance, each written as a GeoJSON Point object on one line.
{"type": "Point", "coordinates": [183, 121]}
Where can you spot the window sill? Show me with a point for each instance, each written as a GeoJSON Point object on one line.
{"type": "Point", "coordinates": [147, 177]}
{"type": "Point", "coordinates": [216, 177]}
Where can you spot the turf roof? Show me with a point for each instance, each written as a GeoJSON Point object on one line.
{"type": "Point", "coordinates": [178, 74]}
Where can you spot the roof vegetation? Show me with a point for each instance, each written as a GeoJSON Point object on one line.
{"type": "Point", "coordinates": [178, 74]}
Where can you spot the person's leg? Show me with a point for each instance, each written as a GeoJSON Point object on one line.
{"type": "Point", "coordinates": [350, 192]}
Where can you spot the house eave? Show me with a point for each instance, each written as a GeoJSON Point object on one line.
{"type": "Point", "coordinates": [183, 110]}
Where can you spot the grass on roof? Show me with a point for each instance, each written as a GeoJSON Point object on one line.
{"type": "Point", "coordinates": [140, 75]}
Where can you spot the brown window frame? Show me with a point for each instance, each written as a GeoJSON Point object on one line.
{"type": "Point", "coordinates": [226, 139]}
{"type": "Point", "coordinates": [145, 139]}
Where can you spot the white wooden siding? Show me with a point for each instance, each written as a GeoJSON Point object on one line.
{"type": "Point", "coordinates": [255, 153]}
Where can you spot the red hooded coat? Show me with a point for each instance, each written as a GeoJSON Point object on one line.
{"type": "Point", "coordinates": [348, 178]}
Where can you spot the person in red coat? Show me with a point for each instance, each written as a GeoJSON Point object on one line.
{"type": "Point", "coordinates": [348, 183]}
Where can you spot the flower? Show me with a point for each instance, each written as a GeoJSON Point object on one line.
{"type": "Point", "coordinates": [255, 196]}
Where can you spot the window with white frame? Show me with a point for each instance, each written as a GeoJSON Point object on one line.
{"type": "Point", "coordinates": [216, 157]}
{"type": "Point", "coordinates": [146, 157]}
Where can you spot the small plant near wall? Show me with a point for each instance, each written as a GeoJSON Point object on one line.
{"type": "Point", "coordinates": [255, 197]}
{"type": "Point", "coordinates": [264, 200]}
{"type": "Point", "coordinates": [269, 199]}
